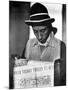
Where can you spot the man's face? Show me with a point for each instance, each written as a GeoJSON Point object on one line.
{"type": "Point", "coordinates": [41, 33]}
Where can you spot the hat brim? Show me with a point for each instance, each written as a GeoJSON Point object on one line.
{"type": "Point", "coordinates": [39, 22]}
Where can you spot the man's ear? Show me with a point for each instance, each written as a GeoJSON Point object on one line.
{"type": "Point", "coordinates": [52, 34]}
{"type": "Point", "coordinates": [54, 29]}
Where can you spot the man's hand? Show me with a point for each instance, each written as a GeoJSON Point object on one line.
{"type": "Point", "coordinates": [15, 56]}
{"type": "Point", "coordinates": [18, 61]}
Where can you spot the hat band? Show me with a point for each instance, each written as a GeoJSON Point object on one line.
{"type": "Point", "coordinates": [37, 20]}
{"type": "Point", "coordinates": [38, 14]}
{"type": "Point", "coordinates": [39, 17]}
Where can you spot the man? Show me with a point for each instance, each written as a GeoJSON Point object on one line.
{"type": "Point", "coordinates": [45, 47]}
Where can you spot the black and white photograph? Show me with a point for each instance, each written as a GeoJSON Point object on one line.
{"type": "Point", "coordinates": [37, 44]}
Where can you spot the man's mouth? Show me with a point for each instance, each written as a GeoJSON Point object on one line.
{"type": "Point", "coordinates": [42, 41]}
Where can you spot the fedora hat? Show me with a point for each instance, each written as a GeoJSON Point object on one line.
{"type": "Point", "coordinates": [39, 15]}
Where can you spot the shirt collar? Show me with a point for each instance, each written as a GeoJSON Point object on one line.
{"type": "Point", "coordinates": [48, 42]}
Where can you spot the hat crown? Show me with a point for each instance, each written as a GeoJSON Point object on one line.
{"type": "Point", "coordinates": [39, 15]}
{"type": "Point", "coordinates": [38, 8]}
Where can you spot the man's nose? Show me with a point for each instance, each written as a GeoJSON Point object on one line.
{"type": "Point", "coordinates": [39, 36]}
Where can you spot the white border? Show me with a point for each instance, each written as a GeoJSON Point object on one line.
{"type": "Point", "coordinates": [4, 41]}
{"type": "Point", "coordinates": [47, 1]}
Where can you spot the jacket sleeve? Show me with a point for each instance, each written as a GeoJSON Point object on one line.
{"type": "Point", "coordinates": [63, 64]}
{"type": "Point", "coordinates": [26, 51]}
{"type": "Point", "coordinates": [60, 67]}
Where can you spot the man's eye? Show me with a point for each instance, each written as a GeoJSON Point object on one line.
{"type": "Point", "coordinates": [43, 30]}
{"type": "Point", "coordinates": [35, 31]}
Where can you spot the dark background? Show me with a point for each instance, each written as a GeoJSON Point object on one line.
{"type": "Point", "coordinates": [18, 32]}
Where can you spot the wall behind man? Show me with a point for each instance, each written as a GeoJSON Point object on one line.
{"type": "Point", "coordinates": [18, 32]}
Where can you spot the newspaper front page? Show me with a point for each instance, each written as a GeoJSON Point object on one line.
{"type": "Point", "coordinates": [34, 74]}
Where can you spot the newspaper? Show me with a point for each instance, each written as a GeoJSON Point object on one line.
{"type": "Point", "coordinates": [34, 74]}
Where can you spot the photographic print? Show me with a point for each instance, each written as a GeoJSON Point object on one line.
{"type": "Point", "coordinates": [37, 44]}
